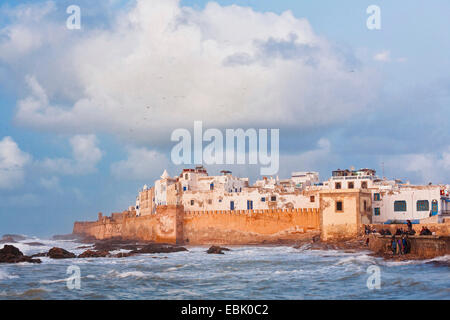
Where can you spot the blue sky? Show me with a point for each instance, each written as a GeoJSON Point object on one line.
{"type": "Point", "coordinates": [86, 115]}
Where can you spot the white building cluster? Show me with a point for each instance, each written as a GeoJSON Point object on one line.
{"type": "Point", "coordinates": [392, 200]}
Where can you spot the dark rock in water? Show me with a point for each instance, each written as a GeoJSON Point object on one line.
{"type": "Point", "coordinates": [7, 240]}
{"type": "Point", "coordinates": [15, 237]}
{"type": "Point", "coordinates": [94, 254]}
{"type": "Point", "coordinates": [84, 247]}
{"type": "Point", "coordinates": [118, 244]}
{"type": "Point", "coordinates": [124, 254]}
{"type": "Point", "coordinates": [11, 250]}
{"type": "Point", "coordinates": [34, 244]}
{"type": "Point", "coordinates": [10, 254]}
{"type": "Point", "coordinates": [69, 236]}
{"type": "Point", "coordinates": [159, 248]}
{"type": "Point", "coordinates": [217, 250]}
{"type": "Point", "coordinates": [37, 255]}
{"type": "Point", "coordinates": [59, 253]}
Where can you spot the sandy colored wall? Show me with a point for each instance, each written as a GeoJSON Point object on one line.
{"type": "Point", "coordinates": [249, 226]}
{"type": "Point", "coordinates": [171, 224]}
{"type": "Point", "coordinates": [345, 224]}
{"type": "Point", "coordinates": [164, 226]}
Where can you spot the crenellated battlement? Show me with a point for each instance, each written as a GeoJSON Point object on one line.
{"type": "Point", "coordinates": [250, 212]}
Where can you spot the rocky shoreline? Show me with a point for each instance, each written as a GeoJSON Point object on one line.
{"type": "Point", "coordinates": [104, 248]}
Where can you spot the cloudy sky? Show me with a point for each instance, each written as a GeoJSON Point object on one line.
{"type": "Point", "coordinates": [86, 115]}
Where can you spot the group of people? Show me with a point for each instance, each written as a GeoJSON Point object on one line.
{"type": "Point", "coordinates": [400, 231]}
{"type": "Point", "coordinates": [425, 231]}
{"type": "Point", "coordinates": [400, 245]}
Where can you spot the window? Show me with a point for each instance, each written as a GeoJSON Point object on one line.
{"type": "Point", "coordinates": [365, 205]}
{"type": "Point", "coordinates": [376, 197]}
{"type": "Point", "coordinates": [209, 201]}
{"type": "Point", "coordinates": [273, 198]}
{"type": "Point", "coordinates": [312, 199]}
{"type": "Point", "coordinates": [186, 176]}
{"type": "Point", "coordinates": [351, 185]}
{"type": "Point", "coordinates": [423, 205]}
{"type": "Point", "coordinates": [192, 202]}
{"type": "Point", "coordinates": [263, 199]}
{"type": "Point", "coordinates": [364, 185]}
{"type": "Point", "coordinates": [400, 205]}
{"type": "Point", "coordinates": [249, 205]}
{"type": "Point", "coordinates": [339, 206]}
{"type": "Point", "coordinates": [338, 185]}
{"type": "Point", "coordinates": [184, 188]}
{"type": "Point", "coordinates": [231, 205]}
{"type": "Point", "coordinates": [376, 211]}
{"type": "Point", "coordinates": [211, 186]}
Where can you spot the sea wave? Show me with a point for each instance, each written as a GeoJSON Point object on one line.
{"type": "Point", "coordinates": [127, 274]}
{"type": "Point", "coordinates": [6, 276]}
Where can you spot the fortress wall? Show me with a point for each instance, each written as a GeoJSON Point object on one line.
{"type": "Point", "coordinates": [161, 227]}
{"type": "Point", "coordinates": [249, 226]}
{"type": "Point", "coordinates": [171, 224]}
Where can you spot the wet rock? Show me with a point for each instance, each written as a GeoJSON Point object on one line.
{"type": "Point", "coordinates": [94, 254]}
{"type": "Point", "coordinates": [217, 250]}
{"type": "Point", "coordinates": [159, 248]}
{"type": "Point", "coordinates": [67, 237]}
{"type": "Point", "coordinates": [10, 254]}
{"type": "Point", "coordinates": [15, 237]}
{"type": "Point", "coordinates": [7, 240]}
{"type": "Point", "coordinates": [117, 244]}
{"type": "Point", "coordinates": [38, 255]}
{"type": "Point", "coordinates": [84, 247]}
{"type": "Point", "coordinates": [59, 253]}
{"type": "Point", "coordinates": [124, 255]}
{"type": "Point", "coordinates": [34, 244]}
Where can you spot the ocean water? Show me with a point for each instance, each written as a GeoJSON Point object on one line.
{"type": "Point", "coordinates": [246, 272]}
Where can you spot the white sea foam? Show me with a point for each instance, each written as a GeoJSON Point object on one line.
{"type": "Point", "coordinates": [6, 276]}
{"type": "Point", "coordinates": [127, 274]}
{"type": "Point", "coordinates": [445, 258]}
{"type": "Point", "coordinates": [52, 281]}
{"type": "Point", "coordinates": [356, 259]}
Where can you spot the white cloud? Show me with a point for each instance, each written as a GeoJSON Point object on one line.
{"type": "Point", "coordinates": [162, 66]}
{"type": "Point", "coordinates": [12, 164]}
{"type": "Point", "coordinates": [19, 38]}
{"type": "Point", "coordinates": [51, 184]}
{"type": "Point", "coordinates": [383, 56]}
{"type": "Point", "coordinates": [427, 167]}
{"type": "Point", "coordinates": [85, 156]}
{"type": "Point", "coordinates": [141, 164]}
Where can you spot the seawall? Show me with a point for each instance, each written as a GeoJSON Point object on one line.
{"type": "Point", "coordinates": [173, 225]}
{"type": "Point", "coordinates": [423, 247]}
